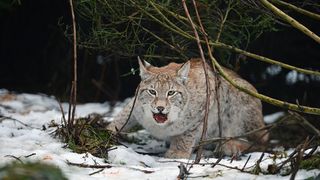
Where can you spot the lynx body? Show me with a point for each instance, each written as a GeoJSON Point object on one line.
{"type": "Point", "coordinates": [171, 104]}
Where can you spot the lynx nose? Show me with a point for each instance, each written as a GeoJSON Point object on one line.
{"type": "Point", "coordinates": [160, 108]}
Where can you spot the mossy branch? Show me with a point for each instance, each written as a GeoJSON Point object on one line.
{"type": "Point", "coordinates": [276, 102]}
{"type": "Point", "coordinates": [297, 9]}
{"type": "Point", "coordinates": [290, 20]}
{"type": "Point", "coordinates": [263, 59]}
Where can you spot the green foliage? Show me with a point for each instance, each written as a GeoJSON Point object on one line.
{"type": "Point", "coordinates": [88, 135]}
{"type": "Point", "coordinates": [160, 28]}
{"type": "Point", "coordinates": [311, 163]}
{"type": "Point", "coordinates": [31, 171]}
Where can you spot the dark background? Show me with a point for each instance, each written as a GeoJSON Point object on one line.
{"type": "Point", "coordinates": [36, 57]}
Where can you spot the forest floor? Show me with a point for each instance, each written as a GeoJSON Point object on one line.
{"type": "Point", "coordinates": [26, 135]}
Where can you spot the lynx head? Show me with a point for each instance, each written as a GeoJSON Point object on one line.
{"type": "Point", "coordinates": [163, 93]}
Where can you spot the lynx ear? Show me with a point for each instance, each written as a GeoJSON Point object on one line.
{"type": "Point", "coordinates": [183, 72]}
{"type": "Point", "coordinates": [143, 65]}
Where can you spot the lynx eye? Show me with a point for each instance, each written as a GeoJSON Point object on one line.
{"type": "Point", "coordinates": [171, 93]}
{"type": "Point", "coordinates": [152, 92]}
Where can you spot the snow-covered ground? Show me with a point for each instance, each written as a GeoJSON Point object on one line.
{"type": "Point", "coordinates": [26, 135]}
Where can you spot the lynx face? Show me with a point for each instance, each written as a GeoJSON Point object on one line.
{"type": "Point", "coordinates": [163, 95]}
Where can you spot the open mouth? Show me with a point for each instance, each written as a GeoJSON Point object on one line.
{"type": "Point", "coordinates": [160, 117]}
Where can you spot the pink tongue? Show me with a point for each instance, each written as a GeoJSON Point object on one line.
{"type": "Point", "coordinates": [160, 118]}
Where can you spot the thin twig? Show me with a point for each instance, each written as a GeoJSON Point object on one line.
{"type": "Point", "coordinates": [217, 79]}
{"type": "Point", "coordinates": [128, 118]}
{"type": "Point", "coordinates": [310, 153]}
{"type": "Point", "coordinates": [96, 172]}
{"type": "Point", "coordinates": [62, 112]}
{"type": "Point", "coordinates": [257, 168]}
{"type": "Point", "coordinates": [13, 119]}
{"type": "Point", "coordinates": [245, 164]}
{"type": "Point", "coordinates": [161, 39]}
{"type": "Point", "coordinates": [105, 166]}
{"type": "Point", "coordinates": [298, 158]}
{"type": "Point", "coordinates": [134, 102]}
{"type": "Point", "coordinates": [294, 154]}
{"type": "Point", "coordinates": [164, 17]}
{"type": "Point", "coordinates": [204, 65]}
{"type": "Point", "coordinates": [32, 154]}
{"type": "Point", "coordinates": [75, 79]}
{"type": "Point", "coordinates": [223, 20]}
{"type": "Point", "coordinates": [217, 162]}
{"type": "Point", "coordinates": [203, 164]}
{"type": "Point", "coordinates": [70, 123]}
{"type": "Point", "coordinates": [89, 165]}
{"type": "Point", "coordinates": [14, 157]}
{"type": "Point", "coordinates": [280, 165]}
{"type": "Point", "coordinates": [183, 172]}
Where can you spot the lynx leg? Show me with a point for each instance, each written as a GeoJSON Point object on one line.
{"type": "Point", "coordinates": [181, 146]}
{"type": "Point", "coordinates": [235, 147]}
{"type": "Point", "coordinates": [121, 119]}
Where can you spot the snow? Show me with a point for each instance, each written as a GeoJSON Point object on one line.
{"type": "Point", "coordinates": [271, 118]}
{"type": "Point", "coordinates": [293, 77]}
{"type": "Point", "coordinates": [23, 135]}
{"type": "Point", "coordinates": [273, 70]}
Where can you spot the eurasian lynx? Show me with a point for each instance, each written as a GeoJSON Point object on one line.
{"type": "Point", "coordinates": [171, 104]}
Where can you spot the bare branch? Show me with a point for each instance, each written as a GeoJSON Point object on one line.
{"type": "Point", "coordinates": [74, 83]}
{"type": "Point", "coordinates": [204, 65]}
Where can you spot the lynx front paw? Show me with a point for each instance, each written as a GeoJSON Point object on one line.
{"type": "Point", "coordinates": [177, 154]}
{"type": "Point", "coordinates": [234, 148]}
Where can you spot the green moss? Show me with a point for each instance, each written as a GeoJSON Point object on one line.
{"type": "Point", "coordinates": [31, 171]}
{"type": "Point", "coordinates": [311, 163]}
{"type": "Point", "coordinates": [87, 135]}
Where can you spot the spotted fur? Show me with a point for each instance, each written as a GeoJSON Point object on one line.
{"type": "Point", "coordinates": [239, 112]}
